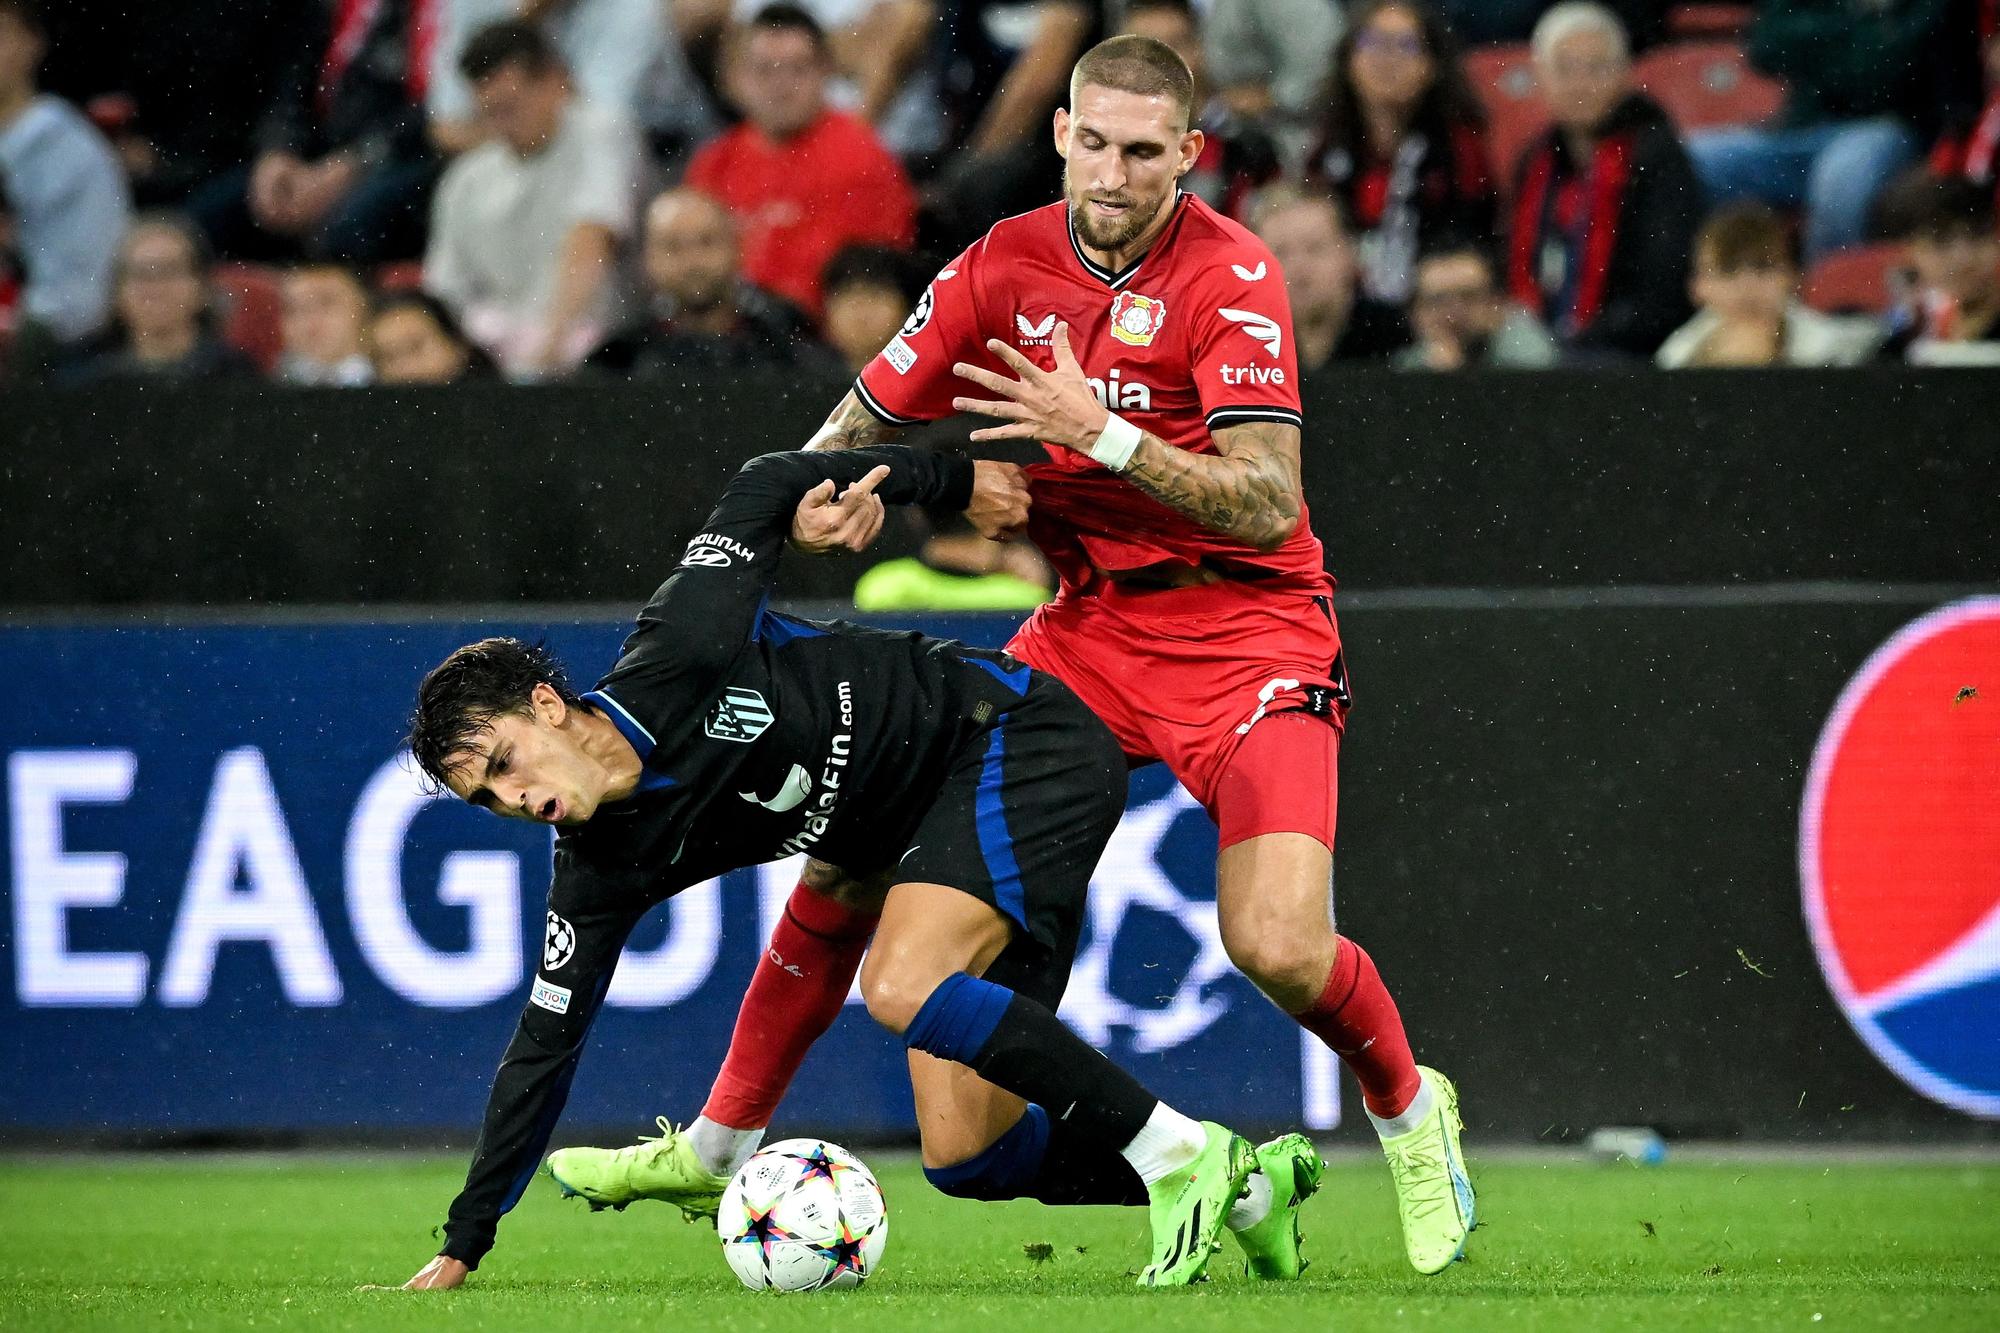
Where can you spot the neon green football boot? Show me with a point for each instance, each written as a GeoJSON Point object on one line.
{"type": "Point", "coordinates": [1189, 1208]}
{"type": "Point", "coordinates": [1294, 1168]}
{"type": "Point", "coordinates": [1433, 1191]}
{"type": "Point", "coordinates": [663, 1168]}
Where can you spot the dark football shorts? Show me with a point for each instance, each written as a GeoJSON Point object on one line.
{"type": "Point", "coordinates": [1021, 819]}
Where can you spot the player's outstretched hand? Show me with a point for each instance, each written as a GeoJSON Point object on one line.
{"type": "Point", "coordinates": [999, 508]}
{"type": "Point", "coordinates": [824, 523]}
{"type": "Point", "coordinates": [1055, 406]}
{"type": "Point", "coordinates": [440, 1274]}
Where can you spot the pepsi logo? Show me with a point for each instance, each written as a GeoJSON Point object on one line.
{"type": "Point", "coordinates": [1899, 854]}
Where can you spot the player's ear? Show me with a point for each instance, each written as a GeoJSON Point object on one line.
{"type": "Point", "coordinates": [1191, 145]}
{"type": "Point", "coordinates": [547, 705]}
{"type": "Point", "coordinates": [1062, 132]}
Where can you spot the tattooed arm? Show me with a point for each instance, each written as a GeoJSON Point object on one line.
{"type": "Point", "coordinates": [851, 426]}
{"type": "Point", "coordinates": [1248, 489]}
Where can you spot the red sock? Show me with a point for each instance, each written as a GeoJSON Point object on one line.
{"type": "Point", "coordinates": [1356, 1018]}
{"type": "Point", "coordinates": [794, 996]}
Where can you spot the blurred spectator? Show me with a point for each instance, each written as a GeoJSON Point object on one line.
{"type": "Point", "coordinates": [1478, 22]}
{"type": "Point", "coordinates": [178, 88]}
{"type": "Point", "coordinates": [325, 326]}
{"type": "Point", "coordinates": [1862, 77]}
{"type": "Point", "coordinates": [1268, 59]}
{"type": "Point", "coordinates": [620, 53]}
{"type": "Point", "coordinates": [1954, 316]}
{"type": "Point", "coordinates": [344, 167]}
{"type": "Point", "coordinates": [958, 570]}
{"type": "Point", "coordinates": [26, 346]}
{"type": "Point", "coordinates": [869, 292]}
{"type": "Point", "coordinates": [526, 232]}
{"type": "Point", "coordinates": [1605, 202]}
{"type": "Point", "coordinates": [1238, 154]}
{"type": "Point", "coordinates": [1462, 320]}
{"type": "Point", "coordinates": [69, 200]}
{"type": "Point", "coordinates": [803, 180]}
{"type": "Point", "coordinates": [1006, 68]}
{"type": "Point", "coordinates": [702, 313]}
{"type": "Point", "coordinates": [1331, 320]}
{"type": "Point", "coordinates": [1404, 142]}
{"type": "Point", "coordinates": [1970, 148]}
{"type": "Point", "coordinates": [166, 317]}
{"type": "Point", "coordinates": [879, 51]}
{"type": "Point", "coordinates": [1746, 284]}
{"type": "Point", "coordinates": [415, 340]}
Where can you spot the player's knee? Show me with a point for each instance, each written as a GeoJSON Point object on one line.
{"type": "Point", "coordinates": [1284, 963]}
{"type": "Point", "coordinates": [894, 990]}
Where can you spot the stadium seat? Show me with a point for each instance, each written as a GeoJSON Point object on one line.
{"type": "Point", "coordinates": [251, 310]}
{"type": "Point", "coordinates": [1854, 281]}
{"type": "Point", "coordinates": [1504, 78]}
{"type": "Point", "coordinates": [1708, 84]}
{"type": "Point", "coordinates": [1685, 22]}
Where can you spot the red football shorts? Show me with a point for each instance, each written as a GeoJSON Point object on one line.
{"type": "Point", "coordinates": [1187, 675]}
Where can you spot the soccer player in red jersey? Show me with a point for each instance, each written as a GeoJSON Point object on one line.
{"type": "Point", "coordinates": [1146, 341]}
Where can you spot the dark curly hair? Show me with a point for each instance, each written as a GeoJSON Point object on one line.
{"type": "Point", "coordinates": [460, 697]}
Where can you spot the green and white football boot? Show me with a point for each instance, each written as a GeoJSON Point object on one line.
{"type": "Point", "coordinates": [1190, 1206]}
{"type": "Point", "coordinates": [1271, 1247]}
{"type": "Point", "coordinates": [1433, 1191]}
{"type": "Point", "coordinates": [664, 1168]}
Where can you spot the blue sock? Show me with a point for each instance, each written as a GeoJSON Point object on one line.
{"type": "Point", "coordinates": [1007, 1169]}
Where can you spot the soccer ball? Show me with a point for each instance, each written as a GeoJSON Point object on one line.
{"type": "Point", "coordinates": [803, 1215]}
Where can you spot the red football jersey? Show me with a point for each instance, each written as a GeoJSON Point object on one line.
{"type": "Point", "coordinates": [1194, 337]}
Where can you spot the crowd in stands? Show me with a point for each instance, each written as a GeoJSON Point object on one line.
{"type": "Point", "coordinates": [351, 192]}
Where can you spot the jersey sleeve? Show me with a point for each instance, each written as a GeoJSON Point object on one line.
{"type": "Point", "coordinates": [588, 923]}
{"type": "Point", "coordinates": [1246, 367]}
{"type": "Point", "coordinates": [910, 380]}
{"type": "Point", "coordinates": [708, 607]}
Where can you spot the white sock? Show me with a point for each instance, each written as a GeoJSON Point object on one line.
{"type": "Point", "coordinates": [1254, 1206]}
{"type": "Point", "coordinates": [1413, 1115]}
{"type": "Point", "coordinates": [719, 1148]}
{"type": "Point", "coordinates": [1167, 1143]}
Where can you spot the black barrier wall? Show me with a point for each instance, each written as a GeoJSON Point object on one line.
{"type": "Point", "coordinates": [263, 495]}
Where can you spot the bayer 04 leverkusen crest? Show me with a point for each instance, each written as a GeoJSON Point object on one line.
{"type": "Point", "coordinates": [1135, 319]}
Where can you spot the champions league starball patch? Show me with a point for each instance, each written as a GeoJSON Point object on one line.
{"type": "Point", "coordinates": [1135, 319]}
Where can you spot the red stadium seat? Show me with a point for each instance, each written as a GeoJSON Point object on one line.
{"type": "Point", "coordinates": [1707, 84]}
{"type": "Point", "coordinates": [251, 311]}
{"type": "Point", "coordinates": [1504, 78]}
{"type": "Point", "coordinates": [403, 277]}
{"type": "Point", "coordinates": [1695, 21]}
{"type": "Point", "coordinates": [1854, 281]}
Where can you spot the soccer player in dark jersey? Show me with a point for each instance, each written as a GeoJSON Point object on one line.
{"type": "Point", "coordinates": [1146, 342]}
{"type": "Point", "coordinates": [727, 735]}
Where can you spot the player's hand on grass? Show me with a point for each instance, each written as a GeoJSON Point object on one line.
{"type": "Point", "coordinates": [999, 508]}
{"type": "Point", "coordinates": [1055, 406]}
{"type": "Point", "coordinates": [440, 1274]}
{"type": "Point", "coordinates": [824, 523]}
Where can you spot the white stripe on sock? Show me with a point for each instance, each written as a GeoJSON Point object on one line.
{"type": "Point", "coordinates": [1254, 1206]}
{"type": "Point", "coordinates": [719, 1148]}
{"type": "Point", "coordinates": [1413, 1115]}
{"type": "Point", "coordinates": [1165, 1144]}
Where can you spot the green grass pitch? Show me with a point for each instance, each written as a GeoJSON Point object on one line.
{"type": "Point", "coordinates": [235, 1242]}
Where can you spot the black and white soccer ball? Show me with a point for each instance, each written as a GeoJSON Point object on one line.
{"type": "Point", "coordinates": [803, 1215]}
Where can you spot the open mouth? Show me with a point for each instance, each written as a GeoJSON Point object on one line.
{"type": "Point", "coordinates": [551, 811]}
{"type": "Point", "coordinates": [1111, 208]}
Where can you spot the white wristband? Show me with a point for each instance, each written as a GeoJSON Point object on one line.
{"type": "Point", "coordinates": [1116, 443]}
